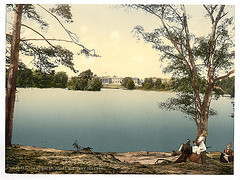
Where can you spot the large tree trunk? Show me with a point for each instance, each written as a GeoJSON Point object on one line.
{"type": "Point", "coordinates": [12, 76]}
{"type": "Point", "coordinates": [205, 107]}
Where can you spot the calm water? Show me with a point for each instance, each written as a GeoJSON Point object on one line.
{"type": "Point", "coordinates": [111, 121]}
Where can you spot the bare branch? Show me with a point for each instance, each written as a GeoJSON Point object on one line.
{"type": "Point", "coordinates": [181, 39]}
{"type": "Point", "coordinates": [63, 40]}
{"type": "Point", "coordinates": [169, 34]}
{"type": "Point", "coordinates": [38, 34]}
{"type": "Point", "coordinates": [210, 13]}
{"type": "Point", "coordinates": [219, 14]}
{"type": "Point", "coordinates": [73, 36]}
{"type": "Point", "coordinates": [225, 76]}
{"type": "Point", "coordinates": [176, 13]}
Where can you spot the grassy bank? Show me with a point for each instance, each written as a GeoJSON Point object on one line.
{"type": "Point", "coordinates": [34, 160]}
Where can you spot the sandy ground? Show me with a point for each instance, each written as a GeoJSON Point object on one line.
{"type": "Point", "coordinates": [142, 157]}
{"type": "Point", "coordinates": [38, 160]}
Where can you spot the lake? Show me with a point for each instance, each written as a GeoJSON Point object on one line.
{"type": "Point", "coordinates": [111, 120]}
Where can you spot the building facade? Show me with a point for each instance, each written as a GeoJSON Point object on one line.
{"type": "Point", "coordinates": [117, 80]}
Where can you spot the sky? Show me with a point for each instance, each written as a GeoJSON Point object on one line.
{"type": "Point", "coordinates": [123, 57]}
{"type": "Point", "coordinates": [108, 29]}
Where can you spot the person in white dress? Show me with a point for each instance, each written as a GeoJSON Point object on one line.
{"type": "Point", "coordinates": [199, 145]}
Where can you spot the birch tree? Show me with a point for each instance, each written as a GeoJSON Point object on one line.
{"type": "Point", "coordinates": [196, 59]}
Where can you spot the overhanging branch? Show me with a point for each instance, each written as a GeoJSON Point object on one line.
{"type": "Point", "coordinates": [73, 36]}
{"type": "Point", "coordinates": [62, 40]}
{"type": "Point", "coordinates": [38, 34]}
{"type": "Point", "coordinates": [225, 76]}
{"type": "Point", "coordinates": [34, 39]}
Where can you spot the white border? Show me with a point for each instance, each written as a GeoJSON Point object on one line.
{"type": "Point", "coordinates": [195, 177]}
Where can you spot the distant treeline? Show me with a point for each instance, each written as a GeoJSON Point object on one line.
{"type": "Point", "coordinates": [225, 86]}
{"type": "Point", "coordinates": [86, 80]}
{"type": "Point", "coordinates": [39, 79]}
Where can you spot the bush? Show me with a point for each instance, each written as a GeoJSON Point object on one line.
{"type": "Point", "coordinates": [130, 84]}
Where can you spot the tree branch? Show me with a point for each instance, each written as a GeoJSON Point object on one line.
{"type": "Point", "coordinates": [144, 7]}
{"type": "Point", "coordinates": [73, 36]}
{"type": "Point", "coordinates": [225, 76]}
{"type": "Point", "coordinates": [175, 45]}
{"type": "Point", "coordinates": [210, 13]}
{"type": "Point", "coordinates": [63, 40]}
{"type": "Point", "coordinates": [195, 120]}
{"type": "Point", "coordinates": [220, 13]}
{"type": "Point", "coordinates": [38, 34]}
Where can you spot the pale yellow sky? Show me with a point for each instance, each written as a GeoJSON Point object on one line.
{"type": "Point", "coordinates": [108, 30]}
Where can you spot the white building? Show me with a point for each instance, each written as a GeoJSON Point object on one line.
{"type": "Point", "coordinates": [117, 80]}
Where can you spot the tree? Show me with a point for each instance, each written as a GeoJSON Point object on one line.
{"type": "Point", "coordinates": [44, 58]}
{"type": "Point", "coordinates": [124, 81]}
{"type": "Point", "coordinates": [12, 77]}
{"type": "Point", "coordinates": [84, 77]}
{"type": "Point", "coordinates": [147, 84]}
{"type": "Point", "coordinates": [225, 86]}
{"type": "Point", "coordinates": [162, 86]}
{"type": "Point", "coordinates": [94, 85]}
{"type": "Point", "coordinates": [24, 78]}
{"type": "Point", "coordinates": [130, 84]}
{"type": "Point", "coordinates": [157, 84]}
{"type": "Point", "coordinates": [192, 57]}
{"type": "Point", "coordinates": [74, 83]}
{"type": "Point", "coordinates": [42, 79]}
{"type": "Point", "coordinates": [60, 80]}
{"type": "Point", "coordinates": [85, 81]}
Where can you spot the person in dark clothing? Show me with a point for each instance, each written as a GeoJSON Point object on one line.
{"type": "Point", "coordinates": [186, 150]}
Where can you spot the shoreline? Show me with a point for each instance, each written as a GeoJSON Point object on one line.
{"type": "Point", "coordinates": [22, 159]}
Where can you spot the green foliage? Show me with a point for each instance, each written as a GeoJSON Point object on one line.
{"type": "Point", "coordinates": [157, 84]}
{"type": "Point", "coordinates": [130, 84]}
{"type": "Point", "coordinates": [85, 81]}
{"type": "Point", "coordinates": [153, 84]}
{"type": "Point", "coordinates": [73, 84]}
{"type": "Point", "coordinates": [124, 81]}
{"type": "Point", "coordinates": [183, 103]}
{"type": "Point", "coordinates": [47, 58]}
{"type": "Point", "coordinates": [84, 77]}
{"type": "Point", "coordinates": [187, 56]}
{"type": "Point", "coordinates": [64, 11]}
{"type": "Point", "coordinates": [163, 86]}
{"type": "Point", "coordinates": [148, 84]}
{"type": "Point", "coordinates": [40, 79]}
{"type": "Point", "coordinates": [60, 80]}
{"type": "Point", "coordinates": [30, 13]}
{"type": "Point", "coordinates": [25, 78]}
{"type": "Point", "coordinates": [227, 86]}
{"type": "Point", "coordinates": [94, 84]}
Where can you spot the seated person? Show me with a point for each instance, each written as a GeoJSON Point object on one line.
{"type": "Point", "coordinates": [198, 148]}
{"type": "Point", "coordinates": [227, 155]}
{"type": "Point", "coordinates": [186, 150]}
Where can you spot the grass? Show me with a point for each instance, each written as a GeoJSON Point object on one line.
{"type": "Point", "coordinates": [21, 161]}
